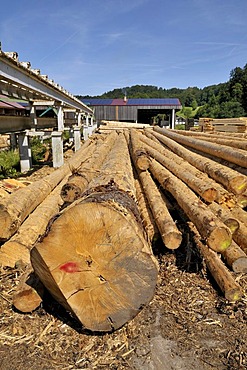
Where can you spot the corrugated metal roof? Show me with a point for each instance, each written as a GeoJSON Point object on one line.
{"type": "Point", "coordinates": [139, 102]}
{"type": "Point", "coordinates": [154, 101]}
{"type": "Point", "coordinates": [97, 101]}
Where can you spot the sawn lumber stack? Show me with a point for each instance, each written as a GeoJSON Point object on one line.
{"type": "Point", "coordinates": [110, 203]}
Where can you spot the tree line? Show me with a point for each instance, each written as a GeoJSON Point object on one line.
{"type": "Point", "coordinates": [224, 100]}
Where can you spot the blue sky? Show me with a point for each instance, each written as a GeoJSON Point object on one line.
{"type": "Point", "coordinates": [93, 46]}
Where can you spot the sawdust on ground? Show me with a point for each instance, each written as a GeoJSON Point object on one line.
{"type": "Point", "coordinates": [188, 324]}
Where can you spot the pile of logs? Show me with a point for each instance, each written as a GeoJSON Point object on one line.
{"type": "Point", "coordinates": [106, 126]}
{"type": "Point", "coordinates": [86, 230]}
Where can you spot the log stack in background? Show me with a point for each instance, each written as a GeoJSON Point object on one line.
{"type": "Point", "coordinates": [228, 125]}
{"type": "Point", "coordinates": [93, 251]}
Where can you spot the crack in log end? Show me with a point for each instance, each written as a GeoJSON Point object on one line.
{"type": "Point", "coordinates": [102, 278]}
{"type": "Point", "coordinates": [89, 261]}
{"type": "Point", "coordinates": [111, 322]}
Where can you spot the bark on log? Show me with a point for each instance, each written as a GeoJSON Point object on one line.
{"type": "Point", "coordinates": [218, 270]}
{"type": "Point", "coordinates": [239, 144]}
{"type": "Point", "coordinates": [195, 179]}
{"type": "Point", "coordinates": [237, 227]}
{"type": "Point", "coordinates": [222, 134]}
{"type": "Point", "coordinates": [238, 169]}
{"type": "Point", "coordinates": [230, 179]}
{"type": "Point", "coordinates": [18, 247]}
{"type": "Point", "coordinates": [169, 232]}
{"type": "Point", "coordinates": [237, 156]}
{"type": "Point", "coordinates": [95, 259]}
{"type": "Point", "coordinates": [235, 258]}
{"type": "Point", "coordinates": [240, 236]}
{"type": "Point", "coordinates": [148, 221]}
{"type": "Point", "coordinates": [150, 135]}
{"type": "Point", "coordinates": [239, 213]}
{"type": "Point", "coordinates": [15, 208]}
{"type": "Point", "coordinates": [117, 124]}
{"type": "Point", "coordinates": [225, 215]}
{"type": "Point", "coordinates": [241, 200]}
{"type": "Point", "coordinates": [138, 153]}
{"type": "Point", "coordinates": [80, 179]}
{"type": "Point", "coordinates": [217, 235]}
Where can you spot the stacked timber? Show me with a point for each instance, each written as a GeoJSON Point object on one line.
{"type": "Point", "coordinates": [238, 125]}
{"type": "Point", "coordinates": [229, 125]}
{"type": "Point", "coordinates": [106, 126]}
{"type": "Point", "coordinates": [205, 124]}
{"type": "Point", "coordinates": [89, 234]}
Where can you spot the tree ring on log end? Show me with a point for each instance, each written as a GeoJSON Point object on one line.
{"type": "Point", "coordinates": [219, 239]}
{"type": "Point", "coordinates": [96, 262]}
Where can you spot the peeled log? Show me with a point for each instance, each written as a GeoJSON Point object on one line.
{"type": "Point", "coordinates": [230, 179]}
{"type": "Point", "coordinates": [217, 235]}
{"type": "Point", "coordinates": [195, 179]}
{"type": "Point", "coordinates": [169, 232]}
{"type": "Point", "coordinates": [15, 208]}
{"type": "Point", "coordinates": [218, 270]}
{"type": "Point", "coordinates": [235, 258]}
{"type": "Point", "coordinates": [95, 260]}
{"type": "Point", "coordinates": [237, 156]}
{"type": "Point", "coordinates": [79, 180]}
{"type": "Point", "coordinates": [138, 153]}
{"type": "Point", "coordinates": [240, 236]}
{"type": "Point", "coordinates": [148, 221]}
{"type": "Point", "coordinates": [225, 215]}
{"type": "Point", "coordinates": [239, 213]}
{"type": "Point", "coordinates": [18, 247]}
{"type": "Point", "coordinates": [241, 200]}
{"type": "Point", "coordinates": [239, 144]}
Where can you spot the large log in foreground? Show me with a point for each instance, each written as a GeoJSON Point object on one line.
{"type": "Point", "coordinates": [95, 259]}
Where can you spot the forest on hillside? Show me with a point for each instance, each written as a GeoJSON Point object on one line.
{"type": "Point", "coordinates": [224, 100]}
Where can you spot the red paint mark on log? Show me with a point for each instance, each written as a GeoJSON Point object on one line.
{"type": "Point", "coordinates": [70, 267]}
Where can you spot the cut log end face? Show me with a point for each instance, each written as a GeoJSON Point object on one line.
{"type": "Point", "coordinates": [219, 239]}
{"type": "Point", "coordinates": [209, 195]}
{"type": "Point", "coordinates": [233, 294]}
{"type": "Point", "coordinates": [240, 265]}
{"type": "Point", "coordinates": [238, 184]}
{"type": "Point", "coordinates": [104, 271]}
{"type": "Point", "coordinates": [70, 192]}
{"type": "Point", "coordinates": [27, 300]}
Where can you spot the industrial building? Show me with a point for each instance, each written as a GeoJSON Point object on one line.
{"type": "Point", "coordinates": [134, 110]}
